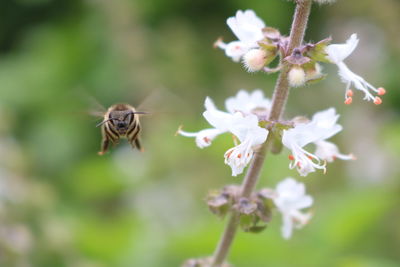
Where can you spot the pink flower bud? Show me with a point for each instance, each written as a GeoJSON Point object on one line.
{"type": "Point", "coordinates": [254, 60]}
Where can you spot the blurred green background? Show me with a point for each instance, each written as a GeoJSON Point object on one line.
{"type": "Point", "coordinates": [63, 205]}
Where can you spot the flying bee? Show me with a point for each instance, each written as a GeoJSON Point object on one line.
{"type": "Point", "coordinates": [120, 121]}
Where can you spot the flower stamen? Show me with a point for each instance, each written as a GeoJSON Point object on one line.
{"type": "Point", "coordinates": [348, 100]}
{"type": "Point", "coordinates": [377, 100]}
{"type": "Point", "coordinates": [349, 93]}
{"type": "Point", "coordinates": [381, 91]}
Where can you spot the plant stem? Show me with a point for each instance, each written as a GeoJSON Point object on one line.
{"type": "Point", "coordinates": [280, 96]}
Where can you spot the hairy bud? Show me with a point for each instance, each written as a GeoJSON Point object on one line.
{"type": "Point", "coordinates": [255, 59]}
{"type": "Point", "coordinates": [296, 77]}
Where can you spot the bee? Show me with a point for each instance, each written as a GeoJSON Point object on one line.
{"type": "Point", "coordinates": [120, 121]}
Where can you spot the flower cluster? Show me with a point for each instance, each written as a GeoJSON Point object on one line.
{"type": "Point", "coordinates": [242, 120]}
{"type": "Point", "coordinates": [245, 113]}
{"type": "Point", "coordinates": [247, 119]}
{"type": "Point", "coordinates": [258, 45]}
{"type": "Point", "coordinates": [322, 126]}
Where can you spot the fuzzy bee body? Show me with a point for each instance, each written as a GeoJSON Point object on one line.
{"type": "Point", "coordinates": [120, 121]}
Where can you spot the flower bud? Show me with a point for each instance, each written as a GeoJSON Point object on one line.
{"type": "Point", "coordinates": [255, 59]}
{"type": "Point", "coordinates": [296, 77]}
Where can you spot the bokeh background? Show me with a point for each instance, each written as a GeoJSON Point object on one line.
{"type": "Point", "coordinates": [63, 205]}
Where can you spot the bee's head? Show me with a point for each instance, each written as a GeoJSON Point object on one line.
{"type": "Point", "coordinates": [121, 124]}
{"type": "Point", "coordinates": [121, 120]}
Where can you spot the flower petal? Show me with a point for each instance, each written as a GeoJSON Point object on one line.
{"type": "Point", "coordinates": [246, 128]}
{"type": "Point", "coordinates": [287, 226]}
{"type": "Point", "coordinates": [236, 50]}
{"type": "Point", "coordinates": [247, 27]}
{"type": "Point", "coordinates": [203, 137]}
{"type": "Point", "coordinates": [290, 198]}
{"type": "Point", "coordinates": [239, 157]}
{"type": "Point", "coordinates": [329, 151]}
{"type": "Point", "coordinates": [247, 102]}
{"type": "Point", "coordinates": [219, 119]}
{"type": "Point", "coordinates": [338, 52]}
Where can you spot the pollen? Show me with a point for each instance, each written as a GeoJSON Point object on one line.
{"type": "Point", "coordinates": [206, 139]}
{"type": "Point", "coordinates": [348, 100]}
{"type": "Point", "coordinates": [179, 130]}
{"type": "Point", "coordinates": [228, 155]}
{"type": "Point", "coordinates": [377, 100]}
{"type": "Point", "coordinates": [217, 43]}
{"type": "Point", "coordinates": [291, 157]}
{"type": "Point", "coordinates": [239, 156]}
{"type": "Point", "coordinates": [381, 91]}
{"type": "Point", "coordinates": [349, 93]}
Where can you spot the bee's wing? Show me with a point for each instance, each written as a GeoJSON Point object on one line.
{"type": "Point", "coordinates": [89, 105]}
{"type": "Point", "coordinates": [95, 108]}
{"type": "Point", "coordinates": [159, 101]}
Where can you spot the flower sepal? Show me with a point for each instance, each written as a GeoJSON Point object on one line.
{"type": "Point", "coordinates": [297, 58]}
{"type": "Point", "coordinates": [248, 220]}
{"type": "Point", "coordinates": [272, 34]}
{"type": "Point", "coordinates": [220, 201]}
{"type": "Point", "coordinates": [253, 214]}
{"type": "Point", "coordinates": [316, 80]}
{"type": "Point", "coordinates": [317, 52]}
{"type": "Point", "coordinates": [313, 72]}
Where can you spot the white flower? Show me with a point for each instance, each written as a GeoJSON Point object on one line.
{"type": "Point", "coordinates": [329, 152]}
{"type": "Point", "coordinates": [241, 120]}
{"type": "Point", "coordinates": [337, 53]}
{"type": "Point", "coordinates": [290, 198]}
{"type": "Point", "coordinates": [248, 103]}
{"type": "Point", "coordinates": [246, 129]}
{"type": "Point", "coordinates": [203, 137]}
{"type": "Point", "coordinates": [248, 29]}
{"type": "Point", "coordinates": [322, 126]}
{"type": "Point", "coordinates": [220, 120]}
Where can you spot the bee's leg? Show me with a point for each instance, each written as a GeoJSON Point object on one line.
{"type": "Point", "coordinates": [105, 142]}
{"type": "Point", "coordinates": [104, 146]}
{"type": "Point", "coordinates": [138, 145]}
